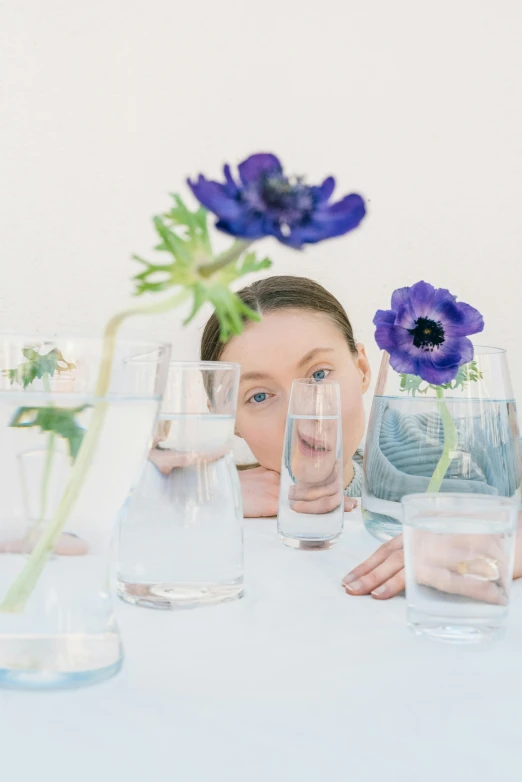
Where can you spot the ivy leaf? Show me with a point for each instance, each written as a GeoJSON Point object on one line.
{"type": "Point", "coordinates": [59, 420]}
{"type": "Point", "coordinates": [37, 366]}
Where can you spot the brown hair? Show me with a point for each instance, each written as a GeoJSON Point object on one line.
{"type": "Point", "coordinates": [281, 293]}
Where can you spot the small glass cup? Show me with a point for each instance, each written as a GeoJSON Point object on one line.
{"type": "Point", "coordinates": [311, 498]}
{"type": "Point", "coordinates": [180, 532]}
{"type": "Point", "coordinates": [458, 556]}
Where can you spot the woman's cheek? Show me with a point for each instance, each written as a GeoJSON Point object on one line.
{"type": "Point", "coordinates": [265, 438]}
{"type": "Point", "coordinates": [353, 423]}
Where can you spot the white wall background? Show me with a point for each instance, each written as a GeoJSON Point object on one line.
{"type": "Point", "coordinates": [107, 105]}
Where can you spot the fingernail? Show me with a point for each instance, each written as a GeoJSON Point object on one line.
{"type": "Point", "coordinates": [354, 586]}
{"type": "Point", "coordinates": [379, 591]}
{"type": "Point", "coordinates": [349, 577]}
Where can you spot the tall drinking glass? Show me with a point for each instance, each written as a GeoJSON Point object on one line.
{"type": "Point", "coordinates": [458, 554]}
{"type": "Point", "coordinates": [180, 534]}
{"type": "Point", "coordinates": [311, 498]}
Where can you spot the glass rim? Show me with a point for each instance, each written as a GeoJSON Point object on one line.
{"type": "Point", "coordinates": [485, 350]}
{"type": "Point", "coordinates": [429, 498]}
{"type": "Point", "coordinates": [207, 366]}
{"type": "Point", "coordinates": [46, 339]}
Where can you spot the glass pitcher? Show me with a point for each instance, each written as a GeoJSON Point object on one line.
{"type": "Point", "coordinates": [57, 626]}
{"type": "Point", "coordinates": [180, 532]}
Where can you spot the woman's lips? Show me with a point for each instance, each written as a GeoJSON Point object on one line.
{"type": "Point", "coordinates": [310, 446]}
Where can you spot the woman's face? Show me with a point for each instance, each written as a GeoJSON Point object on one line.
{"type": "Point", "coordinates": [286, 345]}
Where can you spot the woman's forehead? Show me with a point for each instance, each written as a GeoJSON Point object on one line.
{"type": "Point", "coordinates": [282, 337]}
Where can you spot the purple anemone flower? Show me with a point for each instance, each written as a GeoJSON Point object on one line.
{"type": "Point", "coordinates": [265, 202]}
{"type": "Point", "coordinates": [425, 332]}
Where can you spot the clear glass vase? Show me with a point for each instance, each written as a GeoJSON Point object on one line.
{"type": "Point", "coordinates": [469, 435]}
{"type": "Point", "coordinates": [68, 459]}
{"type": "Point", "coordinates": [180, 532]}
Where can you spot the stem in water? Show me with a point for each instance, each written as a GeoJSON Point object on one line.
{"type": "Point", "coordinates": [450, 443]}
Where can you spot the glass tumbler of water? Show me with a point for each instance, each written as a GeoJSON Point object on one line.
{"type": "Point", "coordinates": [311, 498]}
{"type": "Point", "coordinates": [458, 555]}
{"type": "Point", "coordinates": [180, 533]}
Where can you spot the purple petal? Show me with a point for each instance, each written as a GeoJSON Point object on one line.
{"type": "Point", "coordinates": [248, 226]}
{"type": "Point", "coordinates": [325, 190]}
{"type": "Point", "coordinates": [384, 318]}
{"type": "Point", "coordinates": [404, 356]}
{"type": "Point", "coordinates": [441, 298]}
{"type": "Point", "coordinates": [231, 187]}
{"type": "Point", "coordinates": [334, 220]}
{"type": "Point", "coordinates": [401, 304]}
{"type": "Point", "coordinates": [462, 320]}
{"type": "Point", "coordinates": [403, 362]}
{"type": "Point", "coordinates": [384, 338]}
{"type": "Point", "coordinates": [214, 197]}
{"type": "Point", "coordinates": [421, 297]}
{"type": "Point", "coordinates": [251, 169]}
{"type": "Point", "coordinates": [435, 374]}
{"type": "Point", "coordinates": [453, 351]}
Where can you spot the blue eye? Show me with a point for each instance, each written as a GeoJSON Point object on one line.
{"type": "Point", "coordinates": [320, 374]}
{"type": "Point", "coordinates": [261, 397]}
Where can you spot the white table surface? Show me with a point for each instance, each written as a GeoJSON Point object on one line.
{"type": "Point", "coordinates": [296, 681]}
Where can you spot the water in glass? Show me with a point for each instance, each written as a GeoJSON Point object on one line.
{"type": "Point", "coordinates": [459, 565]}
{"type": "Point", "coordinates": [180, 534]}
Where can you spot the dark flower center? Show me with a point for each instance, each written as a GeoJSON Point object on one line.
{"type": "Point", "coordinates": [288, 201]}
{"type": "Point", "coordinates": [427, 334]}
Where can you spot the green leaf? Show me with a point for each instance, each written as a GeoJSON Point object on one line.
{"type": "Point", "coordinates": [247, 265]}
{"type": "Point", "coordinates": [467, 373]}
{"type": "Point", "coordinates": [184, 235]}
{"type": "Point", "coordinates": [59, 420]}
{"type": "Point", "coordinates": [37, 366]}
{"type": "Point", "coordinates": [172, 243]}
{"type": "Point", "coordinates": [412, 384]}
{"type": "Point", "coordinates": [193, 224]}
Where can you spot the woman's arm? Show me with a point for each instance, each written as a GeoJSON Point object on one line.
{"type": "Point", "coordinates": [382, 574]}
{"type": "Point", "coordinates": [260, 492]}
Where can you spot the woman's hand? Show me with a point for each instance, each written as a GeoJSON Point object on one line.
{"type": "Point", "coordinates": [319, 497]}
{"type": "Point", "coordinates": [462, 568]}
{"type": "Point", "coordinates": [381, 575]}
{"type": "Point", "coordinates": [260, 492]}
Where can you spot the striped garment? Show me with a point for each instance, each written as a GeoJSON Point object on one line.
{"type": "Point", "coordinates": [410, 446]}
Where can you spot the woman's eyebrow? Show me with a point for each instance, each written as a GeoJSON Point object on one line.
{"type": "Point", "coordinates": [312, 354]}
{"type": "Point", "coordinates": [254, 376]}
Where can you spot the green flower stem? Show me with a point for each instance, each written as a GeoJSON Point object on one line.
{"type": "Point", "coordinates": [22, 587]}
{"type": "Point", "coordinates": [450, 443]}
{"type": "Point", "coordinates": [232, 254]}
